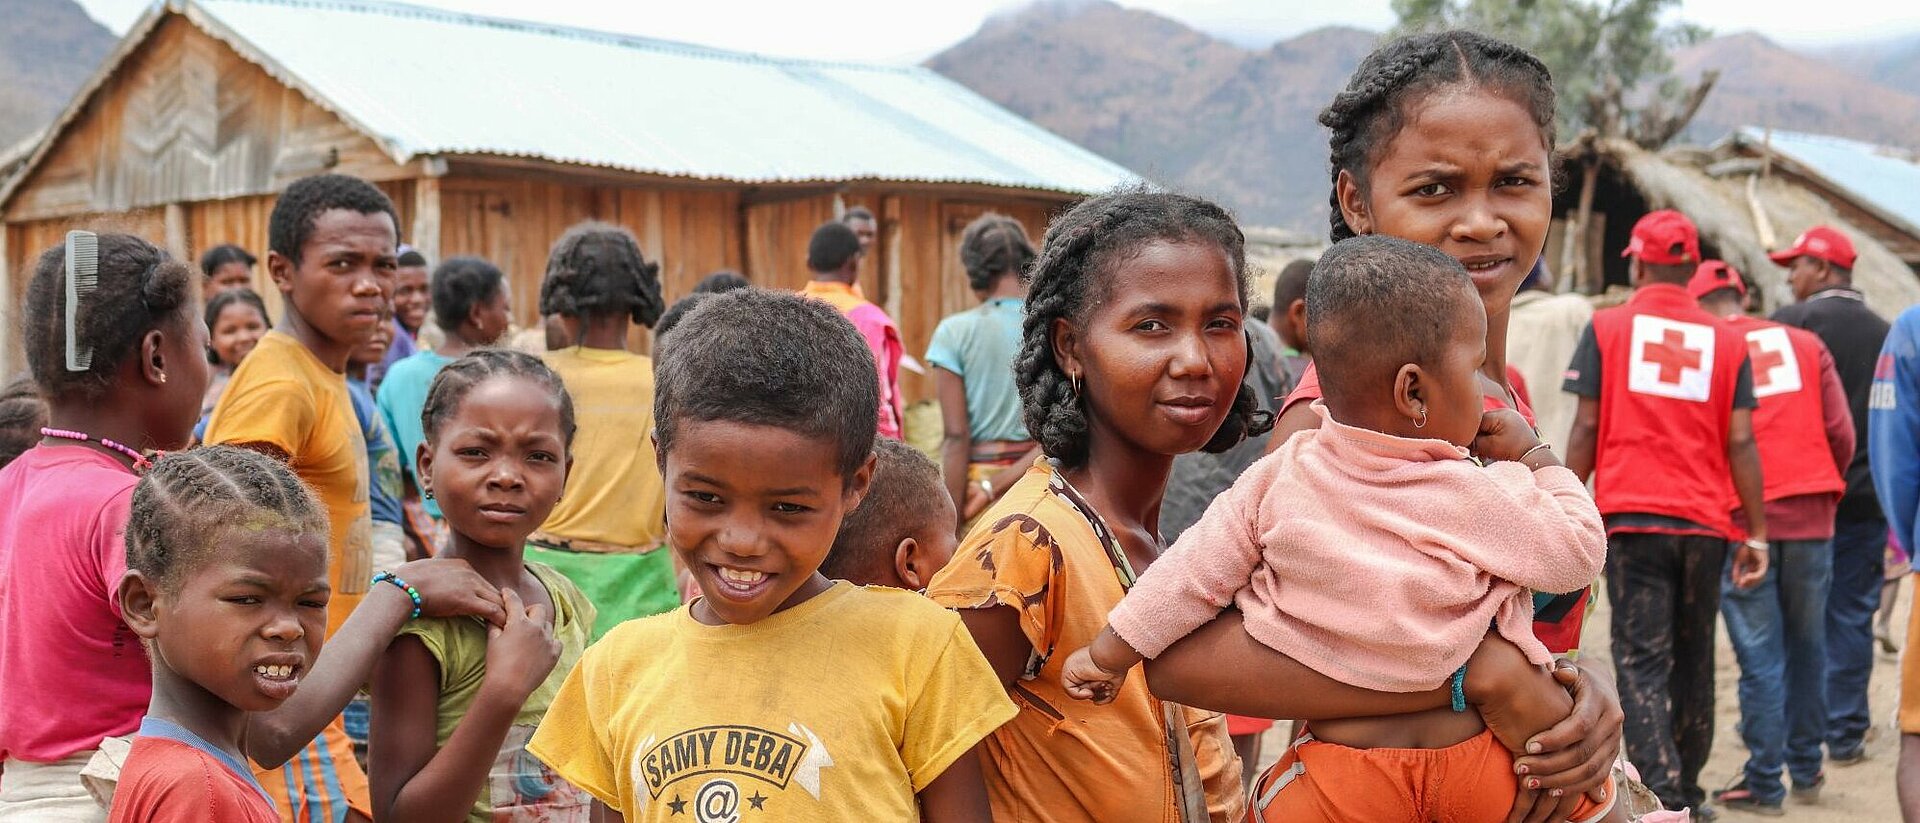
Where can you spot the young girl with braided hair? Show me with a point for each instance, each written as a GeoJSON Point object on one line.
{"type": "Point", "coordinates": [1131, 352]}
{"type": "Point", "coordinates": [455, 701]}
{"type": "Point", "coordinates": [607, 532]}
{"type": "Point", "coordinates": [227, 588]}
{"type": "Point", "coordinates": [1444, 139]}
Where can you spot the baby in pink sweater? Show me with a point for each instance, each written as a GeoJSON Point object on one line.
{"type": "Point", "coordinates": [1379, 548]}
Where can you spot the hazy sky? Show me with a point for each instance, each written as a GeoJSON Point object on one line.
{"type": "Point", "coordinates": [899, 32]}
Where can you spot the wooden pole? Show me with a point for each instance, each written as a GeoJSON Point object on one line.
{"type": "Point", "coordinates": [424, 236]}
{"type": "Point", "coordinates": [1589, 176]}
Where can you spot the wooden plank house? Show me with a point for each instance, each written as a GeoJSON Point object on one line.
{"type": "Point", "coordinates": [493, 136]}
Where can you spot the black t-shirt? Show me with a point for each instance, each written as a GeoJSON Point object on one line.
{"type": "Point", "coordinates": [1854, 334]}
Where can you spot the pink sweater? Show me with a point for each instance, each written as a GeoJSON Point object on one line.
{"type": "Point", "coordinates": [1376, 560]}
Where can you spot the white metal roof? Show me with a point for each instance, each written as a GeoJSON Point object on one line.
{"type": "Point", "coordinates": [425, 81]}
{"type": "Point", "coordinates": [1880, 179]}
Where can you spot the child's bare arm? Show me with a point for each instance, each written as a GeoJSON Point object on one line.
{"type": "Point", "coordinates": [958, 795]}
{"type": "Point", "coordinates": [422, 784]}
{"type": "Point", "coordinates": [1096, 672]}
{"type": "Point", "coordinates": [448, 588]}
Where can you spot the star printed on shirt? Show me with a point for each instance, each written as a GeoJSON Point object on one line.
{"type": "Point", "coordinates": [759, 801]}
{"type": "Point", "coordinates": [676, 805]}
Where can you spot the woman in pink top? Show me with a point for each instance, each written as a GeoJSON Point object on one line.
{"type": "Point", "coordinates": [1394, 505]}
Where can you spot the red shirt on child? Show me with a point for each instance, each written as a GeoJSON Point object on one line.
{"type": "Point", "coordinates": [174, 776]}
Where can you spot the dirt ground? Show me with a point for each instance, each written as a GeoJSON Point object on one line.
{"type": "Point", "coordinates": [1861, 793]}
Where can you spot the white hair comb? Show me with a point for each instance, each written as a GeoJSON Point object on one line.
{"type": "Point", "coordinates": [83, 276]}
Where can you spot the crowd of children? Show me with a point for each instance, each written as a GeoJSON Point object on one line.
{"type": "Point", "coordinates": [362, 563]}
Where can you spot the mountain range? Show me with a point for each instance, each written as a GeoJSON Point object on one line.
{"type": "Point", "coordinates": [1201, 114]}
{"type": "Point", "coordinates": [1180, 106]}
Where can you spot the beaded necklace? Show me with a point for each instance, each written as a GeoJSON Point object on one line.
{"type": "Point", "coordinates": [140, 461]}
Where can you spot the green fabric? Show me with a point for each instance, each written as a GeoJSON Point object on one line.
{"type": "Point", "coordinates": [459, 645]}
{"type": "Point", "coordinates": [621, 587]}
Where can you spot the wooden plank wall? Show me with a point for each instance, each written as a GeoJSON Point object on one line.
{"type": "Point", "coordinates": [186, 119]}
{"type": "Point", "coordinates": [25, 243]}
{"type": "Point", "coordinates": [513, 223]}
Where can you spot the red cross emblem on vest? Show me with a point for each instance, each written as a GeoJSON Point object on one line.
{"type": "Point", "coordinates": [1776, 369]}
{"type": "Point", "coordinates": [1670, 358]}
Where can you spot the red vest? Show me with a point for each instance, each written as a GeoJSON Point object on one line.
{"type": "Point", "coordinates": [1667, 375]}
{"type": "Point", "coordinates": [1791, 423]}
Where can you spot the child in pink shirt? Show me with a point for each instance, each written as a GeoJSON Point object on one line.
{"type": "Point", "coordinates": [1376, 549]}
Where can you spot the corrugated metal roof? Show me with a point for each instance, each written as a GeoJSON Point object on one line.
{"type": "Point", "coordinates": [1879, 178]}
{"type": "Point", "coordinates": [425, 81]}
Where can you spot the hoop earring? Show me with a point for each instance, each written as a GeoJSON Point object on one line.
{"type": "Point", "coordinates": [1074, 380]}
{"type": "Point", "coordinates": [1423, 419]}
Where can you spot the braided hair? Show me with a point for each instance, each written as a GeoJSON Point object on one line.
{"type": "Point", "coordinates": [190, 499]}
{"type": "Point", "coordinates": [458, 378]}
{"type": "Point", "coordinates": [1372, 109]}
{"type": "Point", "coordinates": [22, 414]}
{"type": "Point", "coordinates": [596, 269]}
{"type": "Point", "coordinates": [1070, 279]}
{"type": "Point", "coordinates": [140, 288]}
{"type": "Point", "coordinates": [993, 245]}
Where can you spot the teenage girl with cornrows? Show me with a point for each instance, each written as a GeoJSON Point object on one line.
{"type": "Point", "coordinates": [1444, 139]}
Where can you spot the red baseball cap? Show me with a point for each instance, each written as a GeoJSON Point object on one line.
{"type": "Point", "coordinates": [1823, 242]}
{"type": "Point", "coordinates": [1715, 275]}
{"type": "Point", "coordinates": [1664, 238]}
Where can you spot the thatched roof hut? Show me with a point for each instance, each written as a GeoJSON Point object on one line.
{"type": "Point", "coordinates": [1742, 211]}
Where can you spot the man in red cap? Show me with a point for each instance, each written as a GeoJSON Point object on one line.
{"type": "Point", "coordinates": [1820, 271]}
{"type": "Point", "coordinates": [1779, 627]}
{"type": "Point", "coordinates": [1665, 422]}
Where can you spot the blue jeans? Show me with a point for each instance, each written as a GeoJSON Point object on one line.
{"type": "Point", "coordinates": [1859, 564]}
{"type": "Point", "coordinates": [1779, 632]}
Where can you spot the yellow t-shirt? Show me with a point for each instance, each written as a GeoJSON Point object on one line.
{"type": "Point", "coordinates": [841, 708]}
{"type": "Point", "coordinates": [615, 497]}
{"type": "Point", "coordinates": [285, 397]}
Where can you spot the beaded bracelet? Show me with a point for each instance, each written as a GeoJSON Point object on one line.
{"type": "Point", "coordinates": [390, 577]}
{"type": "Point", "coordinates": [1460, 689]}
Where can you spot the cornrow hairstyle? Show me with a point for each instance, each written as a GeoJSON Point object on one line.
{"type": "Point", "coordinates": [457, 379]}
{"type": "Point", "coordinates": [1377, 303]}
{"type": "Point", "coordinates": [189, 500]}
{"type": "Point", "coordinates": [597, 269]}
{"type": "Point", "coordinates": [1373, 108]}
{"type": "Point", "coordinates": [459, 284]}
{"type": "Point", "coordinates": [300, 206]}
{"type": "Point", "coordinates": [831, 246]}
{"type": "Point", "coordinates": [994, 245]}
{"type": "Point", "coordinates": [140, 289]}
{"type": "Point", "coordinates": [223, 254]}
{"type": "Point", "coordinates": [1070, 279]}
{"type": "Point", "coordinates": [722, 280]}
{"type": "Point", "coordinates": [22, 415]}
{"type": "Point", "coordinates": [769, 358]}
{"type": "Point", "coordinates": [894, 509]}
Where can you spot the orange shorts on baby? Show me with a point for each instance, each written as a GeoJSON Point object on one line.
{"type": "Point", "coordinates": [1468, 782]}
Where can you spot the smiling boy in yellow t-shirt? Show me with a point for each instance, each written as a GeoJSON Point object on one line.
{"type": "Point", "coordinates": [779, 695]}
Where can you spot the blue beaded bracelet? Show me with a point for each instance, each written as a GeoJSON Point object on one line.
{"type": "Point", "coordinates": [1460, 689]}
{"type": "Point", "coordinates": [390, 577]}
